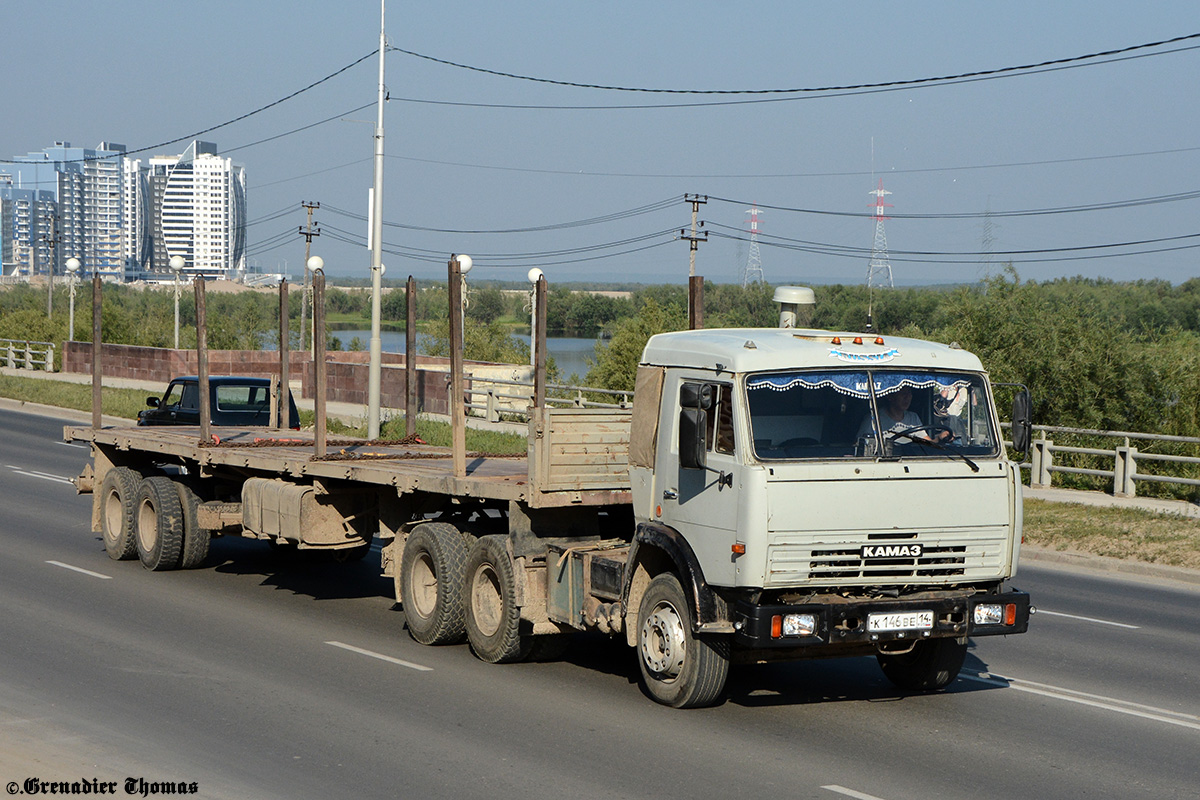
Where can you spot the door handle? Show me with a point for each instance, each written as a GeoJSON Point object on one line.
{"type": "Point", "coordinates": [670, 494]}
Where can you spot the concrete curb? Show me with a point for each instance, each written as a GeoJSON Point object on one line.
{"type": "Point", "coordinates": [1106, 564]}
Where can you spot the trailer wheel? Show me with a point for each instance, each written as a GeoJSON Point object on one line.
{"type": "Point", "coordinates": [118, 500]}
{"type": "Point", "coordinates": [159, 524]}
{"type": "Point", "coordinates": [679, 669]}
{"type": "Point", "coordinates": [195, 538]}
{"type": "Point", "coordinates": [429, 583]}
{"type": "Point", "coordinates": [493, 616]}
{"type": "Point", "coordinates": [931, 665]}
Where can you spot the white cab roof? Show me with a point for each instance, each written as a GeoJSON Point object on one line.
{"type": "Point", "coordinates": [773, 349]}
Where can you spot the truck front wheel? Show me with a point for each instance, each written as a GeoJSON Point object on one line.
{"type": "Point", "coordinates": [931, 665]}
{"type": "Point", "coordinates": [118, 499]}
{"type": "Point", "coordinates": [430, 583]}
{"type": "Point", "coordinates": [678, 668]}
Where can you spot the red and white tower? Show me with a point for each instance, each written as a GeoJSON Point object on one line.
{"type": "Point", "coordinates": [754, 271]}
{"type": "Point", "coordinates": [879, 270]}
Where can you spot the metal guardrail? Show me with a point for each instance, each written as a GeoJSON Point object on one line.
{"type": "Point", "coordinates": [512, 399]}
{"type": "Point", "coordinates": [513, 404]}
{"type": "Point", "coordinates": [17, 353]}
{"type": "Point", "coordinates": [1124, 474]}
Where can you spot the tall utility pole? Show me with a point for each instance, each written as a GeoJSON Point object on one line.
{"type": "Point", "coordinates": [51, 241]}
{"type": "Point", "coordinates": [308, 233]}
{"type": "Point", "coordinates": [375, 369]}
{"type": "Point", "coordinates": [695, 283]}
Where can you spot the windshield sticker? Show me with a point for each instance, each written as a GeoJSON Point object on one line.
{"type": "Point", "coordinates": [863, 358]}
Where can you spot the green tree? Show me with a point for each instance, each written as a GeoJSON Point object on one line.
{"type": "Point", "coordinates": [616, 361]}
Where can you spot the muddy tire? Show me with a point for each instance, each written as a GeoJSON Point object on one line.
{"type": "Point", "coordinates": [195, 538]}
{"type": "Point", "coordinates": [931, 665]}
{"type": "Point", "coordinates": [679, 669]}
{"type": "Point", "coordinates": [158, 524]}
{"type": "Point", "coordinates": [490, 596]}
{"type": "Point", "coordinates": [430, 583]}
{"type": "Point", "coordinates": [118, 500]}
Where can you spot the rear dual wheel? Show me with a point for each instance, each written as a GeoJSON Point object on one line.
{"type": "Point", "coordinates": [493, 618]}
{"type": "Point", "coordinates": [158, 524]}
{"type": "Point", "coordinates": [118, 502]}
{"type": "Point", "coordinates": [430, 581]}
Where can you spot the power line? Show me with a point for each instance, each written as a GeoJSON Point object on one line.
{"type": "Point", "coordinates": [792, 175]}
{"type": "Point", "coordinates": [815, 89]}
{"type": "Point", "coordinates": [1035, 212]}
{"type": "Point", "coordinates": [247, 115]}
{"type": "Point", "coordinates": [967, 257]}
{"type": "Point", "coordinates": [618, 215]}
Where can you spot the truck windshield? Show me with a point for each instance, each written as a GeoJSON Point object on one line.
{"type": "Point", "coordinates": [869, 414]}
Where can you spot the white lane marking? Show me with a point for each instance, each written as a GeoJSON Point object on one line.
{"type": "Point", "coordinates": [1088, 619]}
{"type": "Point", "coordinates": [381, 656]}
{"type": "Point", "coordinates": [851, 792]}
{"type": "Point", "coordinates": [80, 569]}
{"type": "Point", "coordinates": [72, 444]}
{"type": "Point", "coordinates": [1164, 715]}
{"type": "Point", "coordinates": [43, 475]}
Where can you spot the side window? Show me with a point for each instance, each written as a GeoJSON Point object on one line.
{"type": "Point", "coordinates": [191, 396]}
{"type": "Point", "coordinates": [723, 442]}
{"type": "Point", "coordinates": [173, 396]}
{"type": "Point", "coordinates": [719, 419]}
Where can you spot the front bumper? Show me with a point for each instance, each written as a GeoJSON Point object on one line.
{"type": "Point", "coordinates": [842, 621]}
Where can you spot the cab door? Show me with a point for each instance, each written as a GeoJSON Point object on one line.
{"type": "Point", "coordinates": [702, 504]}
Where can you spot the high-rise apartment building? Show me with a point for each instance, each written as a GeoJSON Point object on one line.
{"type": "Point", "coordinates": [26, 227]}
{"type": "Point", "coordinates": [123, 217]}
{"type": "Point", "coordinates": [193, 206]}
{"type": "Point", "coordinates": [86, 185]}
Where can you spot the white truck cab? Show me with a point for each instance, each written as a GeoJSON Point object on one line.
{"type": "Point", "coordinates": [838, 493]}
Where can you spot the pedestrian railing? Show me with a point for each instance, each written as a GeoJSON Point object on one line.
{"type": "Point", "coordinates": [499, 400]}
{"type": "Point", "coordinates": [1048, 457]}
{"type": "Point", "coordinates": [18, 354]}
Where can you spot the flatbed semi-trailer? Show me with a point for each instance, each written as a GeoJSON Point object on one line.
{"type": "Point", "coordinates": [766, 498]}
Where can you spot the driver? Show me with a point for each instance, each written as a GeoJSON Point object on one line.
{"type": "Point", "coordinates": [896, 416]}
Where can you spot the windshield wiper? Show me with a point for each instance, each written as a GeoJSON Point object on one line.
{"type": "Point", "coordinates": [931, 443]}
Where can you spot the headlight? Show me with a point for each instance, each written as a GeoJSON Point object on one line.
{"type": "Point", "coordinates": [799, 624]}
{"type": "Point", "coordinates": [993, 614]}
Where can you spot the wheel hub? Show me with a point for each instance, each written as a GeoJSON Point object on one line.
{"type": "Point", "coordinates": [663, 641]}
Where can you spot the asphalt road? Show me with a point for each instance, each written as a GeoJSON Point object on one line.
{"type": "Point", "coordinates": [261, 676]}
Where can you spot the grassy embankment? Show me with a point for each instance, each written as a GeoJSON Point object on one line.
{"type": "Point", "coordinates": [1117, 533]}
{"type": "Point", "coordinates": [128, 402]}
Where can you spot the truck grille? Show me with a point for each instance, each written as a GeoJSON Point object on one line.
{"type": "Point", "coordinates": [946, 557]}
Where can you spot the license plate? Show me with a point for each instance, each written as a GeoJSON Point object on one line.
{"type": "Point", "coordinates": [905, 621]}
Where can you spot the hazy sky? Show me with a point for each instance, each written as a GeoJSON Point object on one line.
{"type": "Point", "coordinates": [1104, 131]}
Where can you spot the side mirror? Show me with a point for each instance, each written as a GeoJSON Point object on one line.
{"type": "Point", "coordinates": [152, 402]}
{"type": "Point", "coordinates": [693, 438]}
{"type": "Point", "coordinates": [1022, 421]}
{"type": "Point", "coordinates": [696, 395]}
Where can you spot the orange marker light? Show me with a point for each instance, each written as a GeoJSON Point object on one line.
{"type": "Point", "coordinates": [1010, 614]}
{"type": "Point", "coordinates": [858, 340]}
{"type": "Point", "coordinates": [776, 626]}
{"type": "Point", "coordinates": [878, 340]}
{"type": "Point", "coordinates": [837, 340]}
{"type": "Point", "coordinates": [739, 549]}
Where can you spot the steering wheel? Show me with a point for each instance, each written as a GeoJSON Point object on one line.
{"type": "Point", "coordinates": [934, 429]}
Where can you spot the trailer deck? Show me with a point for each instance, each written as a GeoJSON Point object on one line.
{"type": "Point", "coordinates": [576, 457]}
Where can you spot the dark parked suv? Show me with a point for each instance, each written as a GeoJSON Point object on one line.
{"type": "Point", "coordinates": [233, 400]}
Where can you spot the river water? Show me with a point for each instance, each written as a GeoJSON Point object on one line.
{"type": "Point", "coordinates": [569, 353]}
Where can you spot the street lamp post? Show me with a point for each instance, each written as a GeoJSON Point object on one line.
{"type": "Point", "coordinates": [534, 276]}
{"type": "Point", "coordinates": [72, 278]}
{"type": "Point", "coordinates": [464, 266]}
{"type": "Point", "coordinates": [316, 266]}
{"type": "Point", "coordinates": [177, 263]}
